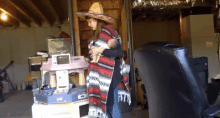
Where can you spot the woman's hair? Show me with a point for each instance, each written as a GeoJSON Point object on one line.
{"type": "Point", "coordinates": [100, 25]}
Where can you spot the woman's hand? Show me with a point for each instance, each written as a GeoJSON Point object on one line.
{"type": "Point", "coordinates": [96, 50]}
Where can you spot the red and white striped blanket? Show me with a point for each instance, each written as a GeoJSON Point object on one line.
{"type": "Point", "coordinates": [99, 78]}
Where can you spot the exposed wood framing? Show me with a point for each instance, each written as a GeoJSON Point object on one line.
{"type": "Point", "coordinates": [11, 21]}
{"type": "Point", "coordinates": [9, 12]}
{"type": "Point", "coordinates": [54, 11]}
{"type": "Point", "coordinates": [172, 15]}
{"type": "Point", "coordinates": [12, 14]}
{"type": "Point", "coordinates": [151, 17]}
{"type": "Point", "coordinates": [124, 30]}
{"type": "Point", "coordinates": [181, 25]}
{"type": "Point", "coordinates": [36, 20]}
{"type": "Point", "coordinates": [1, 24]}
{"type": "Point", "coordinates": [76, 29]}
{"type": "Point", "coordinates": [50, 22]}
{"type": "Point", "coordinates": [139, 17]}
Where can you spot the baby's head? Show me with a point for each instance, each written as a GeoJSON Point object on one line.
{"type": "Point", "coordinates": [112, 43]}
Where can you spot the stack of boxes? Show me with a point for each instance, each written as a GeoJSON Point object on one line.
{"type": "Point", "coordinates": [35, 64]}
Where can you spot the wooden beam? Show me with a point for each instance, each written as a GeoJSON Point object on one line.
{"type": "Point", "coordinates": [139, 17]}
{"type": "Point", "coordinates": [151, 12]}
{"type": "Point", "coordinates": [124, 35]}
{"type": "Point", "coordinates": [33, 2]}
{"type": "Point", "coordinates": [8, 12]}
{"type": "Point", "coordinates": [181, 27]}
{"type": "Point", "coordinates": [170, 16]}
{"type": "Point", "coordinates": [1, 24]}
{"type": "Point", "coordinates": [10, 21]}
{"type": "Point", "coordinates": [5, 8]}
{"type": "Point", "coordinates": [36, 20]}
{"type": "Point", "coordinates": [54, 11]}
{"type": "Point", "coordinates": [150, 17]}
{"type": "Point", "coordinates": [76, 29]}
{"type": "Point", "coordinates": [103, 9]}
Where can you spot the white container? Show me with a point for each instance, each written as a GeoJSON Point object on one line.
{"type": "Point", "coordinates": [23, 86]}
{"type": "Point", "coordinates": [18, 87]}
{"type": "Point", "coordinates": [65, 110]}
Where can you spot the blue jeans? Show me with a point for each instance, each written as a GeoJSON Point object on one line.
{"type": "Point", "coordinates": [116, 112]}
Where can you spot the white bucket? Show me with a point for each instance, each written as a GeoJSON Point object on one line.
{"type": "Point", "coordinates": [18, 87]}
{"type": "Point", "coordinates": [23, 86]}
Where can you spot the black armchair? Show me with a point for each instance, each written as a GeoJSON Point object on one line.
{"type": "Point", "coordinates": [173, 87]}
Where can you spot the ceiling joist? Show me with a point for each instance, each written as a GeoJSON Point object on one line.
{"type": "Point", "coordinates": [36, 20]}
{"type": "Point", "coordinates": [41, 11]}
{"type": "Point", "coordinates": [170, 16]}
{"type": "Point", "coordinates": [8, 11]}
{"type": "Point", "coordinates": [54, 11]}
{"type": "Point", "coordinates": [139, 17]}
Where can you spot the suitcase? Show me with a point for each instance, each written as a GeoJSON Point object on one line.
{"type": "Point", "coordinates": [201, 66]}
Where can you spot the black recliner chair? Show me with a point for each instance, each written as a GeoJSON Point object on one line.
{"type": "Point", "coordinates": [173, 87]}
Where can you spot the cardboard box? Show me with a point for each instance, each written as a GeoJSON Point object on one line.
{"type": "Point", "coordinates": [36, 74]}
{"type": "Point", "coordinates": [36, 60]}
{"type": "Point", "coordinates": [59, 46]}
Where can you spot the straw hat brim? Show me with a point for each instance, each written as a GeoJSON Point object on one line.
{"type": "Point", "coordinates": [103, 17]}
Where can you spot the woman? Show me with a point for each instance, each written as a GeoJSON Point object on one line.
{"type": "Point", "coordinates": [104, 77]}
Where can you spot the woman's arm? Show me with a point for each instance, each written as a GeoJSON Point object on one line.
{"type": "Point", "coordinates": [108, 33]}
{"type": "Point", "coordinates": [112, 52]}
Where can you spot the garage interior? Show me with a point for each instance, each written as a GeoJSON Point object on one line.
{"type": "Point", "coordinates": [192, 24]}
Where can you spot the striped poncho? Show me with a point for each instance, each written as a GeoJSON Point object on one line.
{"type": "Point", "coordinates": [99, 77]}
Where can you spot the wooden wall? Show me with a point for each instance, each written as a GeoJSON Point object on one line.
{"type": "Point", "coordinates": [114, 8]}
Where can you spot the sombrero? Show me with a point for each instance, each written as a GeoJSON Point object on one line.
{"type": "Point", "coordinates": [96, 11]}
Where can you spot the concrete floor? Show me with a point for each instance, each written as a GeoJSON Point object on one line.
{"type": "Point", "coordinates": [18, 105]}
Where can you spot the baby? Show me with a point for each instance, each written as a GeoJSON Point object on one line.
{"type": "Point", "coordinates": [112, 43]}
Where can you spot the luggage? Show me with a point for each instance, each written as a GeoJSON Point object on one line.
{"type": "Point", "coordinates": [201, 66]}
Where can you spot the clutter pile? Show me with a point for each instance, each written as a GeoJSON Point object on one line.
{"type": "Point", "coordinates": [57, 96]}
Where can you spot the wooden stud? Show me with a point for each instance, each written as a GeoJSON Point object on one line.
{"type": "Point", "coordinates": [82, 80]}
{"type": "Point", "coordinates": [84, 25]}
{"type": "Point", "coordinates": [76, 29]}
{"type": "Point", "coordinates": [124, 30]}
{"type": "Point", "coordinates": [114, 13]}
{"type": "Point", "coordinates": [111, 4]}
